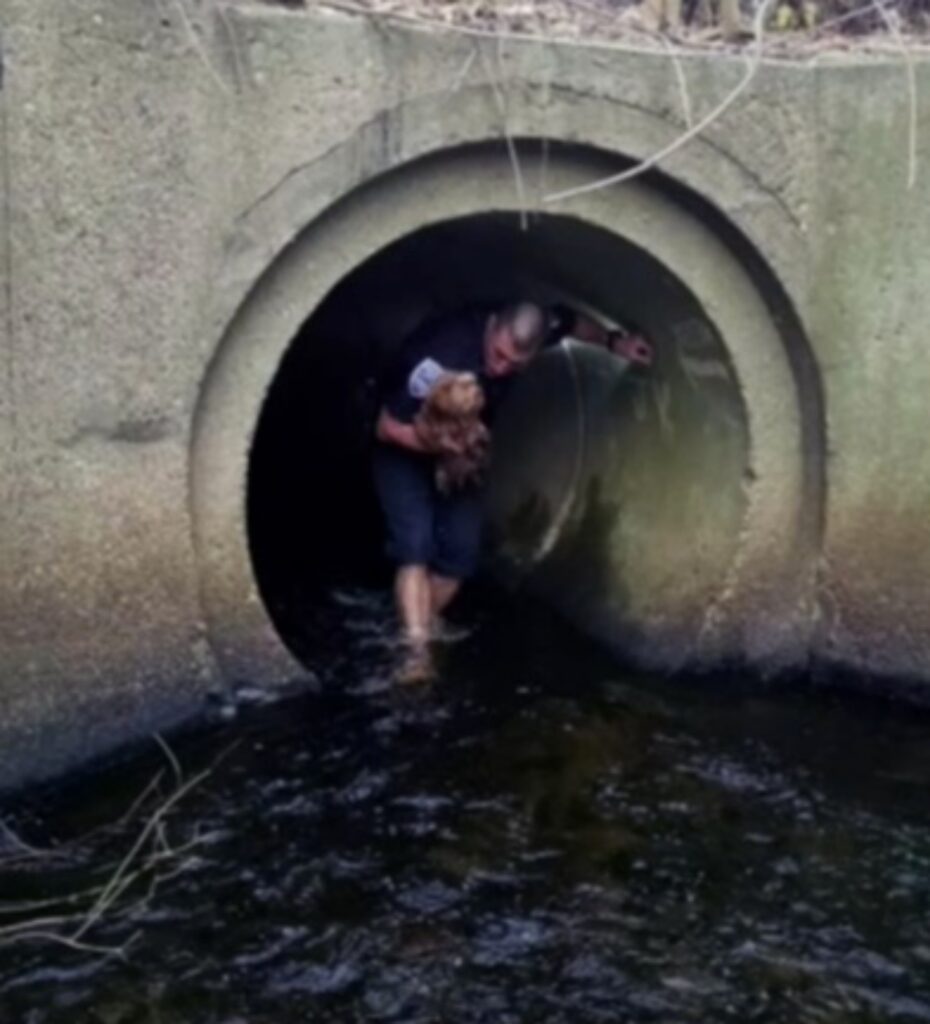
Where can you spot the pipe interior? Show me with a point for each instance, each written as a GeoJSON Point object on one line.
{"type": "Point", "coordinates": [616, 496]}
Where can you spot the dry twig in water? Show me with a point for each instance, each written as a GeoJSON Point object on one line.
{"type": "Point", "coordinates": [20, 848]}
{"type": "Point", "coordinates": [172, 759]}
{"type": "Point", "coordinates": [71, 927]}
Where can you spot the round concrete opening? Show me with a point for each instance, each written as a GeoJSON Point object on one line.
{"type": "Point", "coordinates": [673, 515]}
{"type": "Point", "coordinates": [589, 458]}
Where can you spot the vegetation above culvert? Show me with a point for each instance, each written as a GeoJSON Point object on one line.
{"type": "Point", "coordinates": [790, 27]}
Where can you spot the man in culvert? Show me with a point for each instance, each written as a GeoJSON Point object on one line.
{"type": "Point", "coordinates": [434, 538]}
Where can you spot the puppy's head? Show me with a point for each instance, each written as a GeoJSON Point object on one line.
{"type": "Point", "coordinates": [457, 395]}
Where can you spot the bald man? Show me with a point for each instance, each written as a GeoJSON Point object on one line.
{"type": "Point", "coordinates": [434, 538]}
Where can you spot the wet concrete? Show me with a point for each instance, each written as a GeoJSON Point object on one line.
{"type": "Point", "coordinates": [201, 203]}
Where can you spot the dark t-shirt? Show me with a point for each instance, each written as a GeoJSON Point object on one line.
{"type": "Point", "coordinates": [453, 342]}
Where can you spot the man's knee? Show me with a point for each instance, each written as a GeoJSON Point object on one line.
{"type": "Point", "coordinates": [458, 547]}
{"type": "Point", "coordinates": [455, 564]}
{"type": "Point", "coordinates": [410, 542]}
{"type": "Point", "coordinates": [404, 489]}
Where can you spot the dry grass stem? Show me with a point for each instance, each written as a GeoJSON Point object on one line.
{"type": "Point", "coordinates": [501, 99]}
{"type": "Point", "coordinates": [197, 45]}
{"type": "Point", "coordinates": [895, 32]}
{"type": "Point", "coordinates": [472, 31]}
{"type": "Point", "coordinates": [230, 30]}
{"type": "Point", "coordinates": [682, 82]}
{"type": "Point", "coordinates": [682, 140]}
{"type": "Point", "coordinates": [620, 34]}
{"type": "Point", "coordinates": [463, 72]}
{"type": "Point", "coordinates": [847, 16]}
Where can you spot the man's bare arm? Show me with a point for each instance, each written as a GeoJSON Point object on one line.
{"type": "Point", "coordinates": [586, 328]}
{"type": "Point", "coordinates": [633, 347]}
{"type": "Point", "coordinates": [391, 430]}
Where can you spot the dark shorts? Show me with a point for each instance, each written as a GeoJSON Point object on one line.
{"type": "Point", "coordinates": [425, 527]}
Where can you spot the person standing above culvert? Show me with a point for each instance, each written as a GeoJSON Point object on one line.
{"type": "Point", "coordinates": [433, 529]}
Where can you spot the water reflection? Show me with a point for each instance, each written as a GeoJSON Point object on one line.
{"type": "Point", "coordinates": [533, 840]}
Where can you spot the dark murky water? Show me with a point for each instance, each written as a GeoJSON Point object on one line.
{"type": "Point", "coordinates": [536, 839]}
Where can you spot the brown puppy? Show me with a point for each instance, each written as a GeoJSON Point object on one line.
{"type": "Point", "coordinates": [449, 422]}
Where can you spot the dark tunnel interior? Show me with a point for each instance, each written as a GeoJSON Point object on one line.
{"type": "Point", "coordinates": [312, 516]}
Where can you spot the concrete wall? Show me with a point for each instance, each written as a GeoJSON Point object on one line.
{"type": "Point", "coordinates": [172, 212]}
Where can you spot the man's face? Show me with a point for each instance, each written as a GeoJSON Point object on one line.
{"type": "Point", "coordinates": [501, 355]}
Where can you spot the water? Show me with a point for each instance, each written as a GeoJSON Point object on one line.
{"type": "Point", "coordinates": [536, 839]}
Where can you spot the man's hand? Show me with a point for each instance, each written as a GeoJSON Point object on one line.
{"type": "Point", "coordinates": [405, 435]}
{"type": "Point", "coordinates": [391, 430]}
{"type": "Point", "coordinates": [633, 347]}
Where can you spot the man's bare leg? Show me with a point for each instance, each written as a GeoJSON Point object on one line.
{"type": "Point", "coordinates": [414, 602]}
{"type": "Point", "coordinates": [442, 590]}
{"type": "Point", "coordinates": [414, 607]}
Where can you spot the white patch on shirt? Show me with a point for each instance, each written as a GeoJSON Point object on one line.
{"type": "Point", "coordinates": [423, 378]}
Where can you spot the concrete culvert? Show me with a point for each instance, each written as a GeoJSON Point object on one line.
{"type": "Point", "coordinates": [671, 514]}
{"type": "Point", "coordinates": [312, 516]}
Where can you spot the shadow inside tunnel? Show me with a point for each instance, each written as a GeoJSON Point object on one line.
{"type": "Point", "coordinates": [560, 491]}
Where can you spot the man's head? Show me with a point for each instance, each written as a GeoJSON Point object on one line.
{"type": "Point", "coordinates": [512, 337]}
